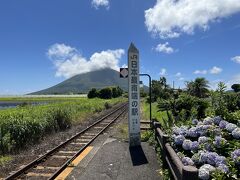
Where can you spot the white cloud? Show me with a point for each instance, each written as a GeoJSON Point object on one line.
{"type": "Point", "coordinates": [178, 74]}
{"type": "Point", "coordinates": [69, 62]}
{"type": "Point", "coordinates": [163, 72]}
{"type": "Point", "coordinates": [200, 72]}
{"type": "Point", "coordinates": [171, 18]}
{"type": "Point", "coordinates": [60, 51]}
{"type": "Point", "coordinates": [181, 79]}
{"type": "Point", "coordinates": [98, 3]}
{"type": "Point", "coordinates": [236, 59]}
{"type": "Point", "coordinates": [215, 70]}
{"type": "Point", "coordinates": [165, 48]}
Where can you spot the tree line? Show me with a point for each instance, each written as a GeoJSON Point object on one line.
{"type": "Point", "coordinates": [105, 93]}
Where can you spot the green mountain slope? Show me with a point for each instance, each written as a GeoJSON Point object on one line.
{"type": "Point", "coordinates": [84, 82]}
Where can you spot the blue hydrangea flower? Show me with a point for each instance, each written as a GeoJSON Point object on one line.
{"type": "Point", "coordinates": [220, 160]}
{"type": "Point", "coordinates": [194, 146]}
{"type": "Point", "coordinates": [203, 139]}
{"type": "Point", "coordinates": [230, 127]}
{"type": "Point", "coordinates": [192, 132]}
{"type": "Point", "coordinates": [178, 140]}
{"type": "Point", "coordinates": [194, 121]}
{"type": "Point", "coordinates": [217, 120]}
{"type": "Point", "coordinates": [211, 157]}
{"type": "Point", "coordinates": [217, 131]}
{"type": "Point", "coordinates": [219, 141]}
{"type": "Point", "coordinates": [187, 144]}
{"type": "Point", "coordinates": [204, 171]}
{"type": "Point", "coordinates": [208, 146]}
{"type": "Point", "coordinates": [208, 121]}
{"type": "Point", "coordinates": [223, 124]}
{"type": "Point", "coordinates": [187, 161]}
{"type": "Point", "coordinates": [236, 133]}
{"type": "Point", "coordinates": [236, 156]}
{"type": "Point", "coordinates": [224, 168]}
{"type": "Point", "coordinates": [203, 157]}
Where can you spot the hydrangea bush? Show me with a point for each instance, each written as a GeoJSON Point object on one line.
{"type": "Point", "coordinates": [212, 145]}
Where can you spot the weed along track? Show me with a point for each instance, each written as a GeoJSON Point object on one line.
{"type": "Point", "coordinates": [51, 164]}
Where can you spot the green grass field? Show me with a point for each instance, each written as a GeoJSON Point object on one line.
{"type": "Point", "coordinates": [155, 113]}
{"type": "Point", "coordinates": [26, 125]}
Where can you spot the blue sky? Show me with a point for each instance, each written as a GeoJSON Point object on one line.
{"type": "Point", "coordinates": [44, 42]}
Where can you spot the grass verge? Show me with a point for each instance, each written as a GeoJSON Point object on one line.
{"type": "Point", "coordinates": [26, 125]}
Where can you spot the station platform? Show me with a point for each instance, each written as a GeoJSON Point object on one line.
{"type": "Point", "coordinates": [110, 158]}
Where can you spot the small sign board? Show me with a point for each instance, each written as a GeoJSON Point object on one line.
{"type": "Point", "coordinates": [123, 72]}
{"type": "Point", "coordinates": [133, 97]}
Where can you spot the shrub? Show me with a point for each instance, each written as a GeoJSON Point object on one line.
{"type": "Point", "coordinates": [93, 93]}
{"type": "Point", "coordinates": [105, 93]}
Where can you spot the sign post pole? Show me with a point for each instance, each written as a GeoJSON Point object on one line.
{"type": "Point", "coordinates": [133, 97]}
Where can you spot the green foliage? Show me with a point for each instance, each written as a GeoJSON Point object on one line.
{"type": "Point", "coordinates": [105, 93]}
{"type": "Point", "coordinates": [27, 125]}
{"type": "Point", "coordinates": [93, 93]}
{"type": "Point", "coordinates": [160, 89]}
{"type": "Point", "coordinates": [236, 87]}
{"type": "Point", "coordinates": [198, 87]}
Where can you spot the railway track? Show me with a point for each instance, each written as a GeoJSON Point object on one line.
{"type": "Point", "coordinates": [52, 163]}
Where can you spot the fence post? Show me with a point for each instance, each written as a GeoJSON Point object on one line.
{"type": "Point", "coordinates": [189, 173]}
{"type": "Point", "coordinates": [155, 126]}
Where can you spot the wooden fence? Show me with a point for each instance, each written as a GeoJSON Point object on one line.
{"type": "Point", "coordinates": [171, 159]}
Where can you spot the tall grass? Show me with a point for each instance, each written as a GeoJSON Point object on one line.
{"type": "Point", "coordinates": [27, 125]}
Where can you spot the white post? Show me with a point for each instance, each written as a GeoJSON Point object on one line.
{"type": "Point", "coordinates": [133, 97]}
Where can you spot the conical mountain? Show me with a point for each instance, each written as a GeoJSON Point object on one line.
{"type": "Point", "coordinates": [82, 83]}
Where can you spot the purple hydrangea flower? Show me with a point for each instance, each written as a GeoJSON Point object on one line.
{"type": "Point", "coordinates": [194, 121]}
{"type": "Point", "coordinates": [187, 161]}
{"type": "Point", "coordinates": [178, 140]}
{"type": "Point", "coordinates": [217, 131]}
{"type": "Point", "coordinates": [236, 156]}
{"type": "Point", "coordinates": [192, 132]}
{"type": "Point", "coordinates": [211, 158]}
{"type": "Point", "coordinates": [203, 157]}
{"type": "Point", "coordinates": [219, 141]}
{"type": "Point", "coordinates": [204, 171]}
{"type": "Point", "coordinates": [220, 160]}
{"type": "Point", "coordinates": [236, 133]}
{"type": "Point", "coordinates": [187, 144]}
{"type": "Point", "coordinates": [208, 146]}
{"type": "Point", "coordinates": [194, 146]}
{"type": "Point", "coordinates": [203, 139]}
{"type": "Point", "coordinates": [217, 120]}
{"type": "Point", "coordinates": [208, 121]}
{"type": "Point", "coordinates": [223, 124]}
{"type": "Point", "coordinates": [224, 168]}
{"type": "Point", "coordinates": [230, 127]}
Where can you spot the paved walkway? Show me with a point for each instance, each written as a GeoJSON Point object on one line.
{"type": "Point", "coordinates": [111, 159]}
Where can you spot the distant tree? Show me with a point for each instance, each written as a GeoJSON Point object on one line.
{"type": "Point", "coordinates": [236, 87]}
{"type": "Point", "coordinates": [93, 93]}
{"type": "Point", "coordinates": [116, 92]}
{"type": "Point", "coordinates": [198, 87]}
{"type": "Point", "coordinates": [105, 93]}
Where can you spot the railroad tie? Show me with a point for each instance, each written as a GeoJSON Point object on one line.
{"type": "Point", "coordinates": [84, 140]}
{"type": "Point", "coordinates": [68, 152]}
{"type": "Point", "coordinates": [61, 157]}
{"type": "Point", "coordinates": [46, 167]}
{"type": "Point", "coordinates": [39, 174]}
{"type": "Point", "coordinates": [78, 143]}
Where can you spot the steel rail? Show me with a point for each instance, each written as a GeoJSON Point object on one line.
{"type": "Point", "coordinates": [49, 153]}
{"type": "Point", "coordinates": [84, 147]}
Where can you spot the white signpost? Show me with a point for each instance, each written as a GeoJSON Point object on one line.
{"type": "Point", "coordinates": [133, 97]}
